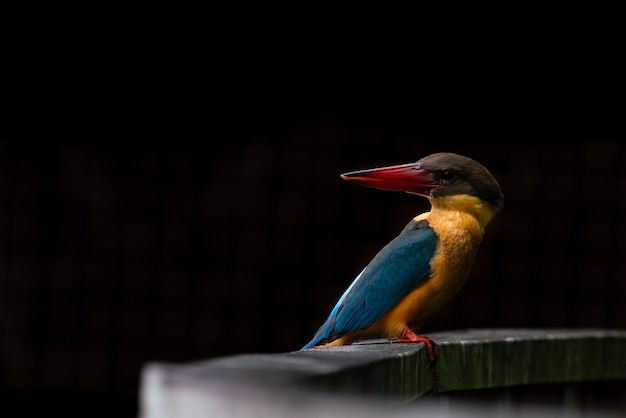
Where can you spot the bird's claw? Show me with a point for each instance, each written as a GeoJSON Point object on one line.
{"type": "Point", "coordinates": [431, 347]}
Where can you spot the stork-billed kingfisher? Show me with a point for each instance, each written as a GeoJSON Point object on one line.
{"type": "Point", "coordinates": [425, 266]}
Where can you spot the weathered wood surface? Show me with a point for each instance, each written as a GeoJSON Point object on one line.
{"type": "Point", "coordinates": [332, 381]}
{"type": "Point", "coordinates": [498, 358]}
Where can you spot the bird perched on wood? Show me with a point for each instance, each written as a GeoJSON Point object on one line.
{"type": "Point", "coordinates": [425, 266]}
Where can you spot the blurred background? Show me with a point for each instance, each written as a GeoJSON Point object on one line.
{"type": "Point", "coordinates": [160, 203]}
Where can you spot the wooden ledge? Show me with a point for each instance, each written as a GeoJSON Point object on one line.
{"type": "Point", "coordinates": [467, 359]}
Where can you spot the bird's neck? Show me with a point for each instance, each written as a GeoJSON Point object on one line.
{"type": "Point", "coordinates": [471, 205]}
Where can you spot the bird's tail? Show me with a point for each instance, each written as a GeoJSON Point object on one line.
{"type": "Point", "coordinates": [322, 334]}
{"type": "Point", "coordinates": [309, 344]}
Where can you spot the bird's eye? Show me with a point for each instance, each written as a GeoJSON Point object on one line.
{"type": "Point", "coordinates": [446, 176]}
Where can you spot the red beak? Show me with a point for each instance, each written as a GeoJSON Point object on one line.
{"type": "Point", "coordinates": [408, 178]}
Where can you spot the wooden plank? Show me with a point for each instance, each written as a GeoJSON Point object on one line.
{"type": "Point", "coordinates": [384, 371]}
{"type": "Point", "coordinates": [478, 359]}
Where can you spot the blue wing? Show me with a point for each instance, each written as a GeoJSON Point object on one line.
{"type": "Point", "coordinates": [394, 272]}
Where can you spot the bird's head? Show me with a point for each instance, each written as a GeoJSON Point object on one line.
{"type": "Point", "coordinates": [437, 175]}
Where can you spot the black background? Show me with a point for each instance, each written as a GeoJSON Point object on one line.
{"type": "Point", "coordinates": [177, 198]}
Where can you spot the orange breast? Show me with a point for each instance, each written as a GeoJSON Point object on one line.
{"type": "Point", "coordinates": [459, 237]}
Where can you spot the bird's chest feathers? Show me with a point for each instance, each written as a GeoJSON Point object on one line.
{"type": "Point", "coordinates": [459, 236]}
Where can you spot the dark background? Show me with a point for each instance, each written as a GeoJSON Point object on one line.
{"type": "Point", "coordinates": [167, 202]}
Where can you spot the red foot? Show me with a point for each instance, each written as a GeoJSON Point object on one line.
{"type": "Point", "coordinates": [411, 337]}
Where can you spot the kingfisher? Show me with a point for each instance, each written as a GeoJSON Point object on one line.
{"type": "Point", "coordinates": [426, 265]}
